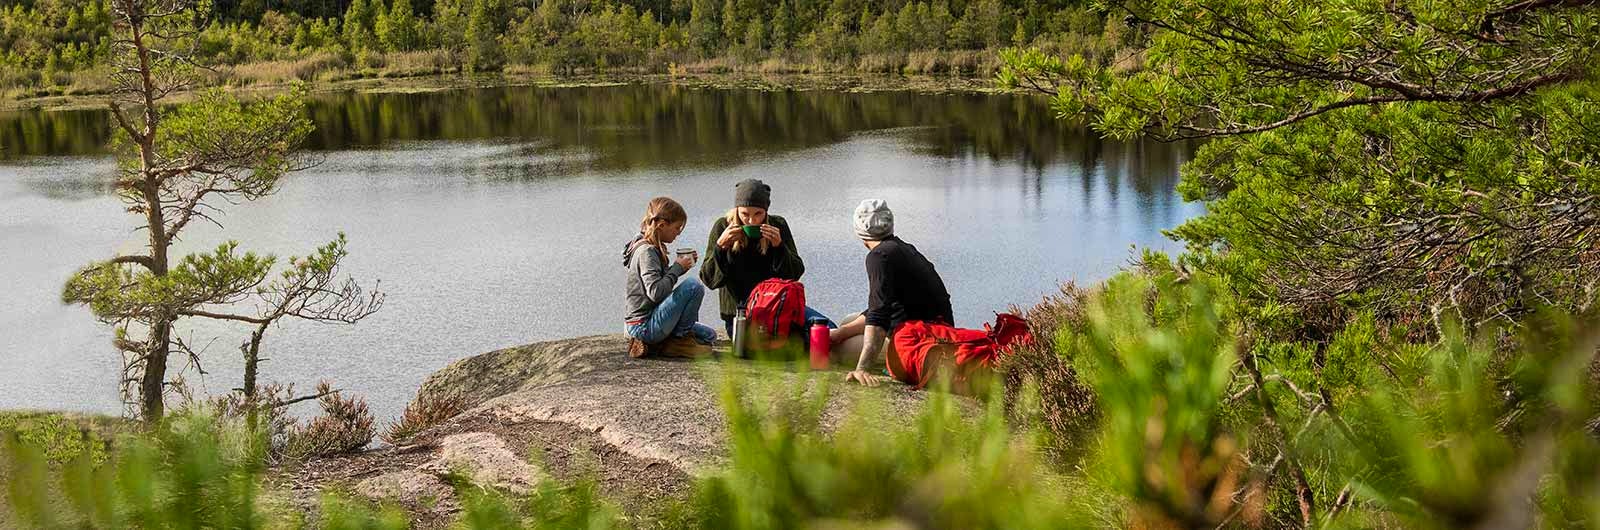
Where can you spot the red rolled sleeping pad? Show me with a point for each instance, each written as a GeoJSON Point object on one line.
{"type": "Point", "coordinates": [972, 350]}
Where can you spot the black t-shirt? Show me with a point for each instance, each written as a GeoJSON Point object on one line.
{"type": "Point", "coordinates": [903, 287]}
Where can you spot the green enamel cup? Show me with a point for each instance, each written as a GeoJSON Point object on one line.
{"type": "Point", "coordinates": [752, 231]}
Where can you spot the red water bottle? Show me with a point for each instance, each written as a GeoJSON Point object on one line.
{"type": "Point", "coordinates": [820, 345]}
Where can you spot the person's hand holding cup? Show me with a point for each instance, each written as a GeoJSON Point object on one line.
{"type": "Point", "coordinates": [730, 236]}
{"type": "Point", "coordinates": [771, 233]}
{"type": "Point", "coordinates": [687, 257]}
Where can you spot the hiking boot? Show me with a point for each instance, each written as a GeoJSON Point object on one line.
{"type": "Point", "coordinates": [685, 347]}
{"type": "Point", "coordinates": [637, 348]}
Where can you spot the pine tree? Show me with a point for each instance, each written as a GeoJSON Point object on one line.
{"type": "Point", "coordinates": [380, 24]}
{"type": "Point", "coordinates": [178, 163]}
{"type": "Point", "coordinates": [94, 13]}
{"type": "Point", "coordinates": [783, 26]}
{"type": "Point", "coordinates": [302, 38]}
{"type": "Point", "coordinates": [50, 69]}
{"type": "Point", "coordinates": [358, 24]}
{"type": "Point", "coordinates": [483, 48]}
{"type": "Point", "coordinates": [704, 32]}
{"type": "Point", "coordinates": [960, 34]}
{"type": "Point", "coordinates": [936, 25]}
{"type": "Point", "coordinates": [906, 27]}
{"type": "Point", "coordinates": [412, 27]}
{"type": "Point", "coordinates": [397, 29]}
{"type": "Point", "coordinates": [1315, 161]}
{"type": "Point", "coordinates": [755, 38]}
{"type": "Point", "coordinates": [864, 22]}
{"type": "Point", "coordinates": [984, 23]}
{"type": "Point", "coordinates": [450, 23]}
{"type": "Point", "coordinates": [732, 26]}
{"type": "Point", "coordinates": [1034, 17]}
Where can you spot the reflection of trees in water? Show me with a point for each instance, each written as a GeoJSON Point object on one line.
{"type": "Point", "coordinates": [66, 132]}
{"type": "Point", "coordinates": [623, 126]}
{"type": "Point", "coordinates": [1150, 168]}
{"type": "Point", "coordinates": [636, 126]}
{"type": "Point", "coordinates": [650, 126]}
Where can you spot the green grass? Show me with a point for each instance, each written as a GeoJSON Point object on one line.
{"type": "Point", "coordinates": [65, 436]}
{"type": "Point", "coordinates": [61, 438]}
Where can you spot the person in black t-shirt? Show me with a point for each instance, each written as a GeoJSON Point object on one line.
{"type": "Point", "coordinates": [903, 287]}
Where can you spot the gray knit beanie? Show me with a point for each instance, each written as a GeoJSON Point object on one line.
{"type": "Point", "coordinates": [752, 192]}
{"type": "Point", "coordinates": [874, 221]}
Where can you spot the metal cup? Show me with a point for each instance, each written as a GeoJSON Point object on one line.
{"type": "Point", "coordinates": [752, 231]}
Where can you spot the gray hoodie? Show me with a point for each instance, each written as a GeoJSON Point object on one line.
{"type": "Point", "coordinates": [650, 278]}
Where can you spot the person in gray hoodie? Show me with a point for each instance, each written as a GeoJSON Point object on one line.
{"type": "Point", "coordinates": [663, 314]}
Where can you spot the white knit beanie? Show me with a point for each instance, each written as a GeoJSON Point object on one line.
{"type": "Point", "coordinates": [874, 221]}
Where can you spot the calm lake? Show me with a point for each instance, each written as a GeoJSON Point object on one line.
{"type": "Point", "coordinates": [495, 217]}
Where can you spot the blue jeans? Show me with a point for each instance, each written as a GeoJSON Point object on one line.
{"type": "Point", "coordinates": [676, 316]}
{"type": "Point", "coordinates": [811, 314]}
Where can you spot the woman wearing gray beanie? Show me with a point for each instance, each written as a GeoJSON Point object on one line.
{"type": "Point", "coordinates": [749, 246]}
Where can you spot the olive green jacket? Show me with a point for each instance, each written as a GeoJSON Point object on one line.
{"type": "Point", "coordinates": [736, 274]}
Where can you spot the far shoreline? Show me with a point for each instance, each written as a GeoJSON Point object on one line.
{"type": "Point", "coordinates": [865, 82]}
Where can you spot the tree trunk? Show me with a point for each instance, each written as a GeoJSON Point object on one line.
{"type": "Point", "coordinates": [152, 387]}
{"type": "Point", "coordinates": [252, 354]}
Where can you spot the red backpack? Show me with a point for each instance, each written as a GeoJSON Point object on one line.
{"type": "Point", "coordinates": [776, 310]}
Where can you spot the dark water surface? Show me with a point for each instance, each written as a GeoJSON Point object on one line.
{"type": "Point", "coordinates": [495, 217]}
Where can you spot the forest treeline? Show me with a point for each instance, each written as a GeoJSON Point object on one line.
{"type": "Point", "coordinates": [62, 46]}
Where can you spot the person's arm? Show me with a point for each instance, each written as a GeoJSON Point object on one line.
{"type": "Point", "coordinates": [658, 280]}
{"type": "Point", "coordinates": [875, 339]}
{"type": "Point", "coordinates": [880, 296]}
{"type": "Point", "coordinates": [788, 264]}
{"type": "Point", "coordinates": [712, 266]}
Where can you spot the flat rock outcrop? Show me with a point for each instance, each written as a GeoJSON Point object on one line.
{"type": "Point", "coordinates": [656, 409]}
{"type": "Point", "coordinates": [578, 407]}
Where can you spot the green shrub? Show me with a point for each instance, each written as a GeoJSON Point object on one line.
{"type": "Point", "coordinates": [339, 513]}
{"type": "Point", "coordinates": [1470, 443]}
{"type": "Point", "coordinates": [180, 475]}
{"type": "Point", "coordinates": [1038, 371]}
{"type": "Point", "coordinates": [1160, 358]}
{"type": "Point", "coordinates": [189, 471]}
{"type": "Point", "coordinates": [944, 468]}
{"type": "Point", "coordinates": [345, 425]}
{"type": "Point", "coordinates": [424, 412]}
{"type": "Point", "coordinates": [551, 505]}
{"type": "Point", "coordinates": [1199, 424]}
{"type": "Point", "coordinates": [64, 437]}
